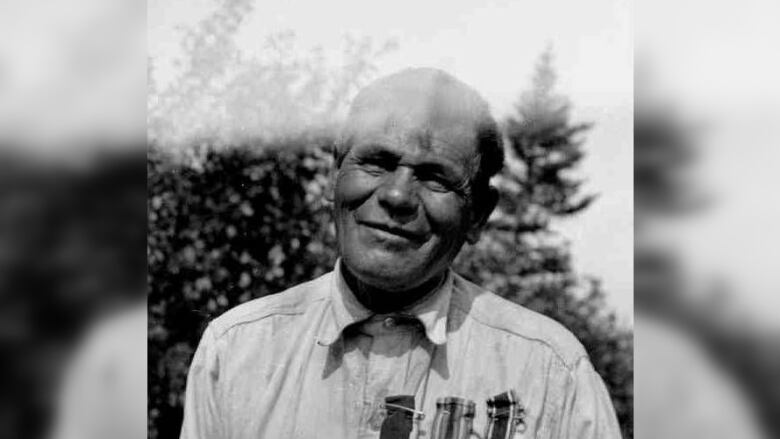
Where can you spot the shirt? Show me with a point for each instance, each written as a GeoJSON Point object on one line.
{"type": "Point", "coordinates": [312, 362]}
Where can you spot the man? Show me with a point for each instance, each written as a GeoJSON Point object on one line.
{"type": "Point", "coordinates": [411, 186]}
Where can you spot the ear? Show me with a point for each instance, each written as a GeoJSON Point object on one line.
{"type": "Point", "coordinates": [482, 210]}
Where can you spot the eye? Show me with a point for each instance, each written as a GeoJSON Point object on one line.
{"type": "Point", "coordinates": [373, 168]}
{"type": "Point", "coordinates": [377, 165]}
{"type": "Point", "coordinates": [436, 186]}
{"type": "Point", "coordinates": [435, 182]}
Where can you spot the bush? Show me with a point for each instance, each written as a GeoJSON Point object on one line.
{"type": "Point", "coordinates": [239, 225]}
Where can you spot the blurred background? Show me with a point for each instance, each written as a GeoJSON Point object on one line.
{"type": "Point", "coordinates": [245, 103]}
{"type": "Point", "coordinates": [706, 237]}
{"type": "Point", "coordinates": [71, 272]}
{"type": "Point", "coordinates": [72, 210]}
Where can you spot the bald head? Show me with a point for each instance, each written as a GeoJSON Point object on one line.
{"type": "Point", "coordinates": [420, 101]}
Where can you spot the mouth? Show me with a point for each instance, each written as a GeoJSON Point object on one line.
{"type": "Point", "coordinates": [409, 235]}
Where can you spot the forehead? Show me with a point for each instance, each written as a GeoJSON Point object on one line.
{"type": "Point", "coordinates": [416, 122]}
{"type": "Point", "coordinates": [419, 112]}
{"type": "Point", "coordinates": [415, 134]}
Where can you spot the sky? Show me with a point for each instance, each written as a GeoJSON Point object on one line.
{"type": "Point", "coordinates": [717, 64]}
{"type": "Point", "coordinates": [493, 46]}
{"type": "Point", "coordinates": [61, 87]}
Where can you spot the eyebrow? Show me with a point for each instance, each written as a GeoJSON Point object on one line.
{"type": "Point", "coordinates": [438, 167]}
{"type": "Point", "coordinates": [378, 149]}
{"type": "Point", "coordinates": [431, 164]}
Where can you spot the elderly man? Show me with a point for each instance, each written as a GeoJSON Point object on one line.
{"type": "Point", "coordinates": [411, 186]}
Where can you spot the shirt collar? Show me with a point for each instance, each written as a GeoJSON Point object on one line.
{"type": "Point", "coordinates": [346, 310]}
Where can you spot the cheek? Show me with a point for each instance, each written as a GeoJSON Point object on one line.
{"type": "Point", "coordinates": [446, 213]}
{"type": "Point", "coordinates": [353, 187]}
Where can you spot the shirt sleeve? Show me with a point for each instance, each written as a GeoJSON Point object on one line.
{"type": "Point", "coordinates": [588, 410]}
{"type": "Point", "coordinates": [202, 418]}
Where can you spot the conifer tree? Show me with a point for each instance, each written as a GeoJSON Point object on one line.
{"type": "Point", "coordinates": [522, 258]}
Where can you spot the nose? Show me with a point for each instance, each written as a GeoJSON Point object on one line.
{"type": "Point", "coordinates": [398, 194]}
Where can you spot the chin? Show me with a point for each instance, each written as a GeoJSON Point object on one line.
{"type": "Point", "coordinates": [391, 273]}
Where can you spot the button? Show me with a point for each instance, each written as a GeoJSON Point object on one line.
{"type": "Point", "coordinates": [389, 322]}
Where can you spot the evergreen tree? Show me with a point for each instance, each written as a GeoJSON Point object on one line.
{"type": "Point", "coordinates": [536, 186]}
{"type": "Point", "coordinates": [521, 257]}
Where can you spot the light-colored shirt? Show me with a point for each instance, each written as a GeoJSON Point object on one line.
{"type": "Point", "coordinates": [312, 362]}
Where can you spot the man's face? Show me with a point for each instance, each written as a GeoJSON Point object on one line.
{"type": "Point", "coordinates": [402, 206]}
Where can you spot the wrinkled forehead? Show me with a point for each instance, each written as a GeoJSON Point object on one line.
{"type": "Point", "coordinates": [415, 105]}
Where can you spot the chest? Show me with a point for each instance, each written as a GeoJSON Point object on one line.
{"type": "Point", "coordinates": [337, 391]}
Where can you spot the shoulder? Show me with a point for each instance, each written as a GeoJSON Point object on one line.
{"type": "Point", "coordinates": [293, 301]}
{"type": "Point", "coordinates": [498, 314]}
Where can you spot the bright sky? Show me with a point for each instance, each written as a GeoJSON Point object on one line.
{"type": "Point", "coordinates": [492, 45]}
{"type": "Point", "coordinates": [717, 62]}
{"type": "Point", "coordinates": [71, 74]}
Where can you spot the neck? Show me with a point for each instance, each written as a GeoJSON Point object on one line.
{"type": "Point", "coordinates": [382, 301]}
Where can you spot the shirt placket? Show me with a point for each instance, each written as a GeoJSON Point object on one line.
{"type": "Point", "coordinates": [396, 366]}
{"type": "Point", "coordinates": [356, 367]}
{"type": "Point", "coordinates": [380, 371]}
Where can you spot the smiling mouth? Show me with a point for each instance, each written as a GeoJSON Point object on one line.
{"type": "Point", "coordinates": [393, 230]}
